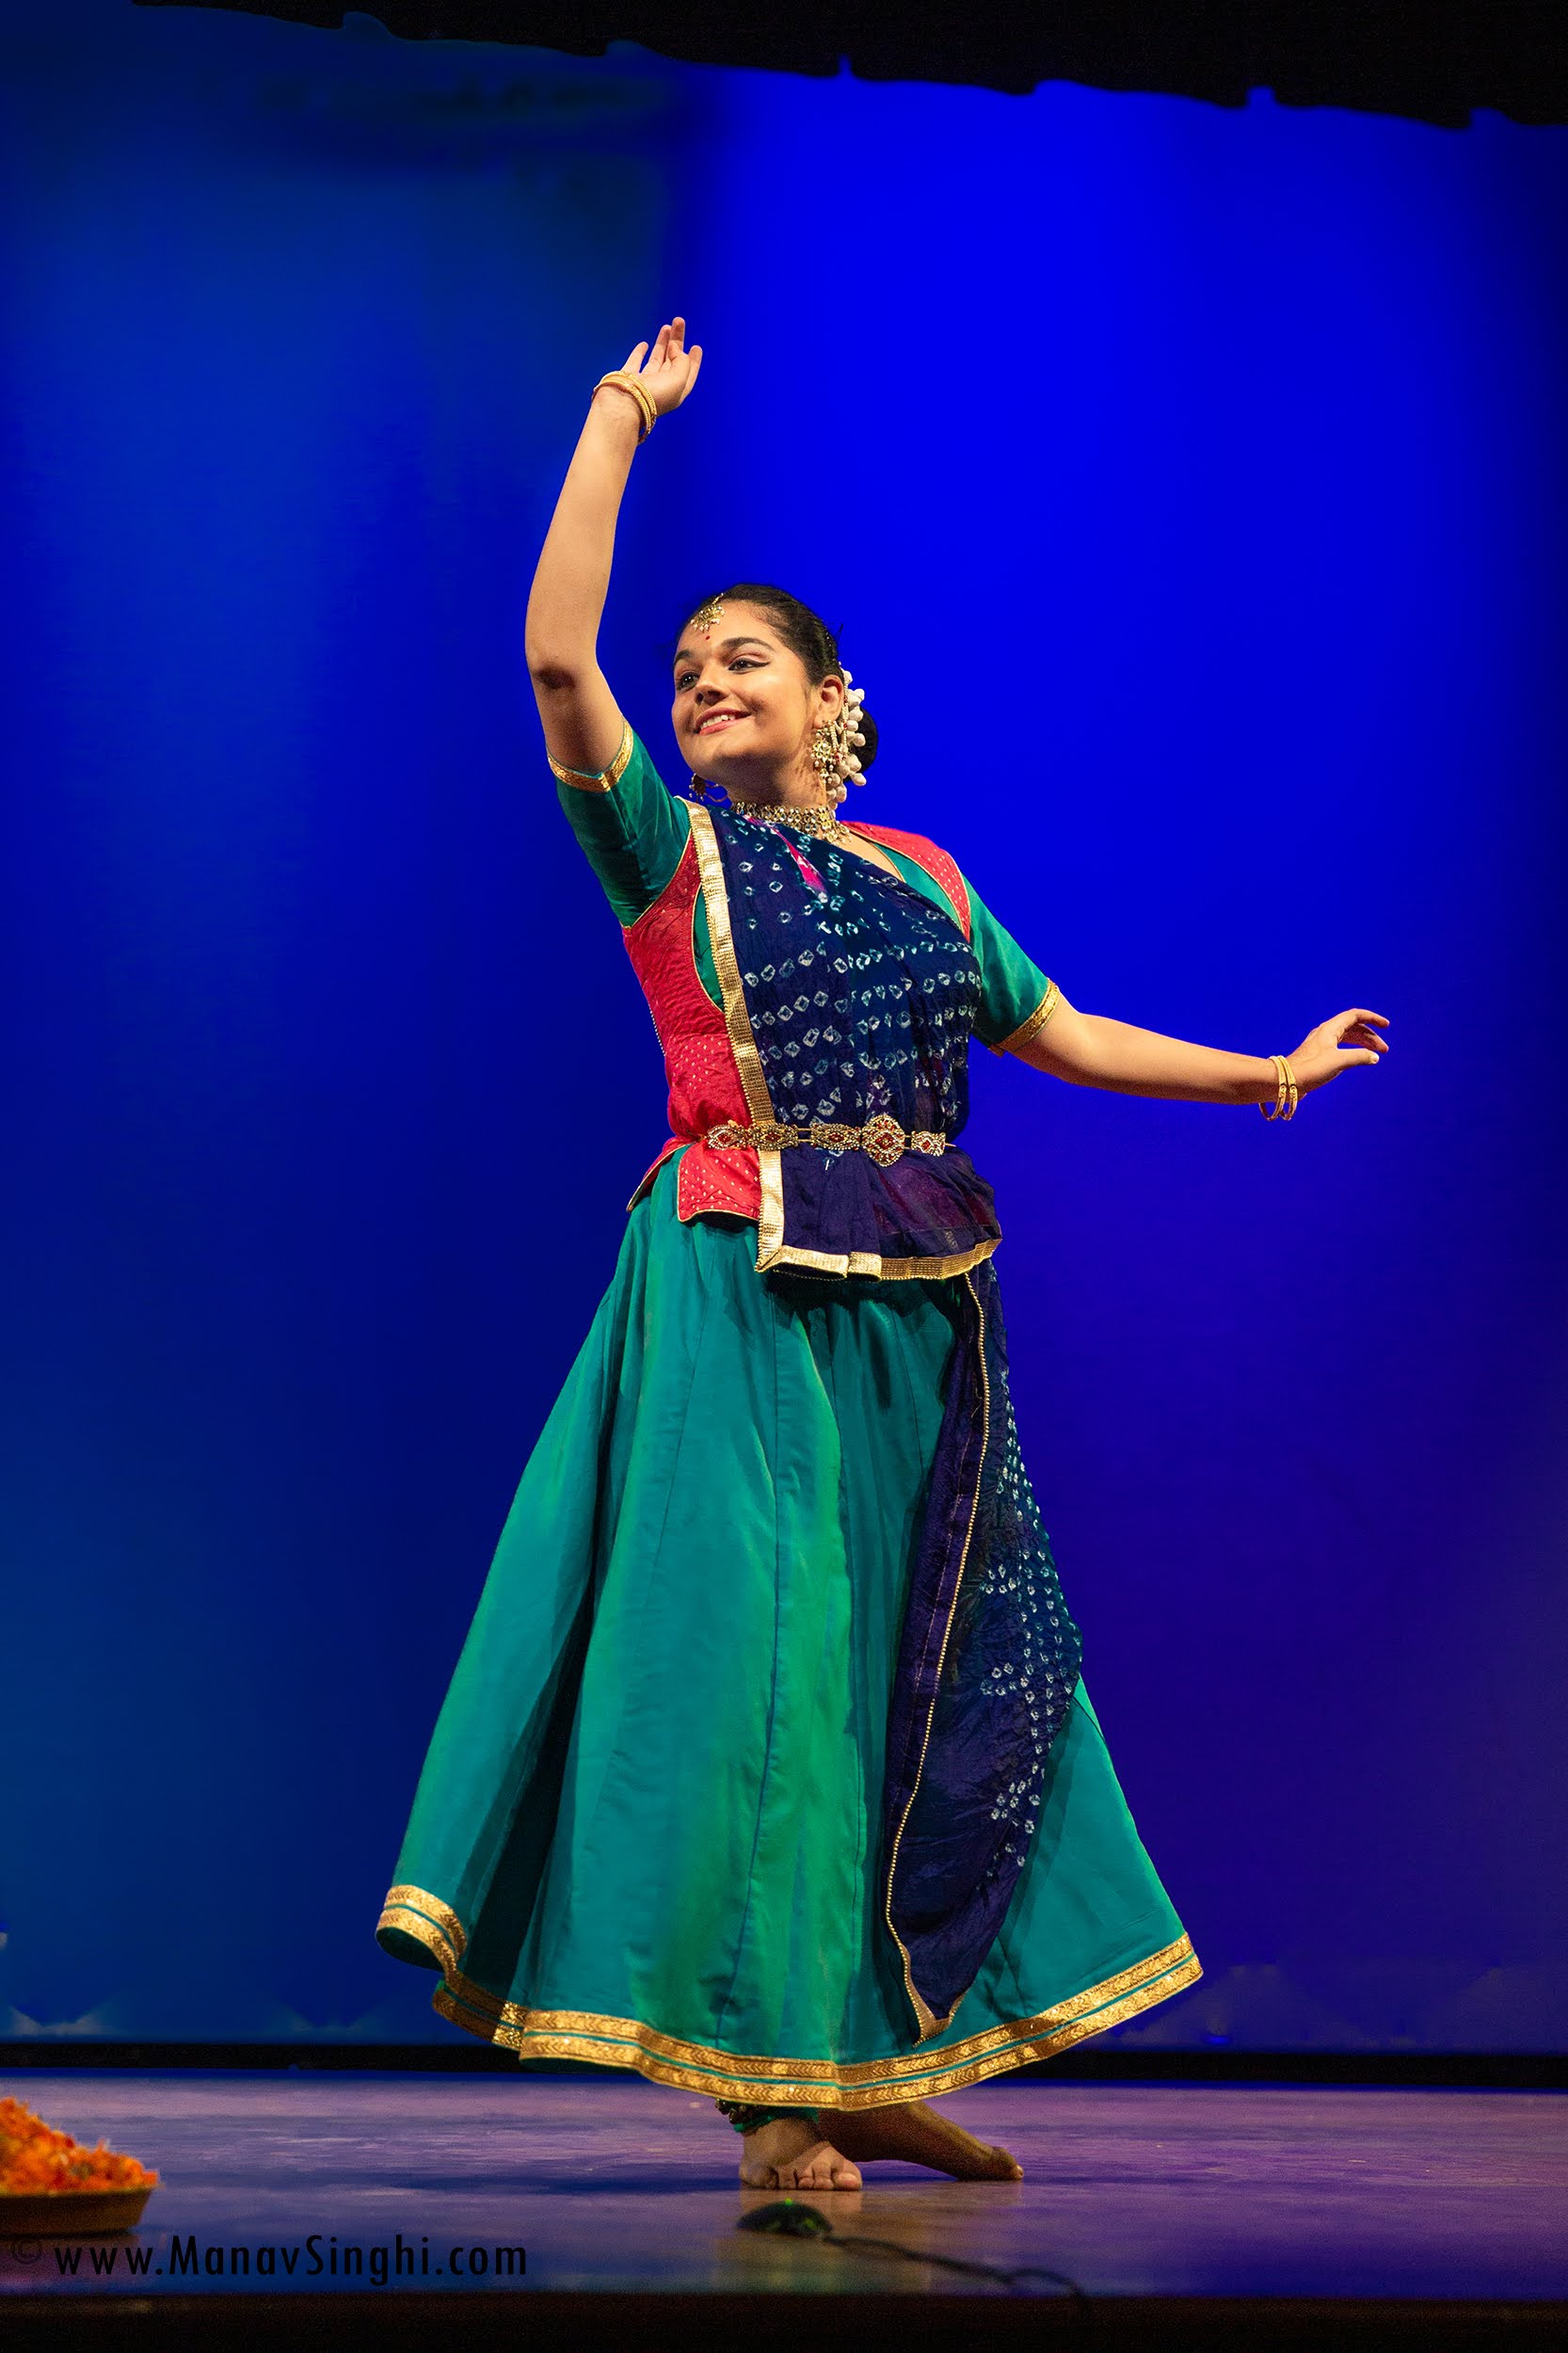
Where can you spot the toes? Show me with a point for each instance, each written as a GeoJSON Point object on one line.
{"type": "Point", "coordinates": [817, 2166]}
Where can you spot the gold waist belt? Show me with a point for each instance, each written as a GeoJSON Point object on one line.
{"type": "Point", "coordinates": [881, 1139]}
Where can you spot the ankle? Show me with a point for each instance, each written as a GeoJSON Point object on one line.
{"type": "Point", "coordinates": [747, 2119]}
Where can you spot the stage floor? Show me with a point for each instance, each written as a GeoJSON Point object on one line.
{"type": "Point", "coordinates": [614, 2187]}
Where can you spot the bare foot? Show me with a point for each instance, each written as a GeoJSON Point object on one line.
{"type": "Point", "coordinates": [920, 2134]}
{"type": "Point", "coordinates": [790, 2154]}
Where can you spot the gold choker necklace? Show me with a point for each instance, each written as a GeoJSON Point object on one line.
{"type": "Point", "coordinates": [812, 817]}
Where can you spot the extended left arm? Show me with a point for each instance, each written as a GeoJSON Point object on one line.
{"type": "Point", "coordinates": [1090, 1049]}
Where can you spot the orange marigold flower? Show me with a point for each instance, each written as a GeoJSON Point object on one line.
{"type": "Point", "coordinates": [35, 2158]}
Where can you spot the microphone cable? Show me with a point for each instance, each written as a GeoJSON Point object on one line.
{"type": "Point", "coordinates": [791, 2218]}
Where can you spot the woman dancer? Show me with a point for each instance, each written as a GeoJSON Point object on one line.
{"type": "Point", "coordinates": [766, 1768]}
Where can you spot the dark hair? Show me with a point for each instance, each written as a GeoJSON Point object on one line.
{"type": "Point", "coordinates": [806, 635]}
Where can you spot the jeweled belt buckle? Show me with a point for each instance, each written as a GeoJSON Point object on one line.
{"type": "Point", "coordinates": [883, 1140]}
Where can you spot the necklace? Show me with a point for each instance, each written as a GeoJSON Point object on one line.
{"type": "Point", "coordinates": [811, 818]}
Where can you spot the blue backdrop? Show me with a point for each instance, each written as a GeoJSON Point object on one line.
{"type": "Point", "coordinates": [1191, 487]}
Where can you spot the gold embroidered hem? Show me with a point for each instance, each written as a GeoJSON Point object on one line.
{"type": "Point", "coordinates": [868, 1261]}
{"type": "Point", "coordinates": [413, 1911]}
{"type": "Point", "coordinates": [1019, 1037]}
{"type": "Point", "coordinates": [803, 2083]}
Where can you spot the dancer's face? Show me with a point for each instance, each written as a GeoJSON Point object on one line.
{"type": "Point", "coordinates": [743, 708]}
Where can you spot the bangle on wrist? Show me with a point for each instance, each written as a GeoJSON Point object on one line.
{"type": "Point", "coordinates": [624, 381]}
{"type": "Point", "coordinates": [1286, 1095]}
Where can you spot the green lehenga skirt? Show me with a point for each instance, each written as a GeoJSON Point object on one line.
{"type": "Point", "coordinates": [645, 1834]}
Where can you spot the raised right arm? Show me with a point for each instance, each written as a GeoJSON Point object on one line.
{"type": "Point", "coordinates": [583, 725]}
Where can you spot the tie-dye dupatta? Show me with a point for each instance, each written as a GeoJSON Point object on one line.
{"type": "Point", "coordinates": [860, 999]}
{"type": "Point", "coordinates": [988, 1661]}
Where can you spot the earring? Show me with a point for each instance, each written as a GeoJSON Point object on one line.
{"type": "Point", "coordinates": [824, 759]}
{"type": "Point", "coordinates": [827, 759]}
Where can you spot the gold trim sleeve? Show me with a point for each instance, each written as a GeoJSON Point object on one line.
{"type": "Point", "coordinates": [1037, 1020]}
{"type": "Point", "coordinates": [606, 779]}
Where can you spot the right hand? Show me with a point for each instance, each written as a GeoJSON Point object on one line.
{"type": "Point", "coordinates": [666, 371]}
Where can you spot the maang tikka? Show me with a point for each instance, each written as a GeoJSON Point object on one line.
{"type": "Point", "coordinates": [702, 622]}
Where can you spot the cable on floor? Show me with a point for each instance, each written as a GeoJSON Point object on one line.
{"type": "Point", "coordinates": [791, 2218]}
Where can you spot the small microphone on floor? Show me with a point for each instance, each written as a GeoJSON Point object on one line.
{"type": "Point", "coordinates": [787, 2219]}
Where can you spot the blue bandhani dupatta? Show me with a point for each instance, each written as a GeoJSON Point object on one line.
{"type": "Point", "coordinates": [860, 996]}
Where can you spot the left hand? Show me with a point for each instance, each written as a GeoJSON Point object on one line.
{"type": "Point", "coordinates": [1321, 1055]}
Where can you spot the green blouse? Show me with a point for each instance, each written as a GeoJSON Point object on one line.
{"type": "Point", "coordinates": [635, 833]}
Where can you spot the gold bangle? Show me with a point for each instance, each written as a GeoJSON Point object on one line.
{"type": "Point", "coordinates": [1287, 1093]}
{"type": "Point", "coordinates": [626, 382]}
{"type": "Point", "coordinates": [644, 398]}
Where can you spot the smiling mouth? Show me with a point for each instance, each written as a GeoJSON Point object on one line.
{"type": "Point", "coordinates": [718, 719]}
